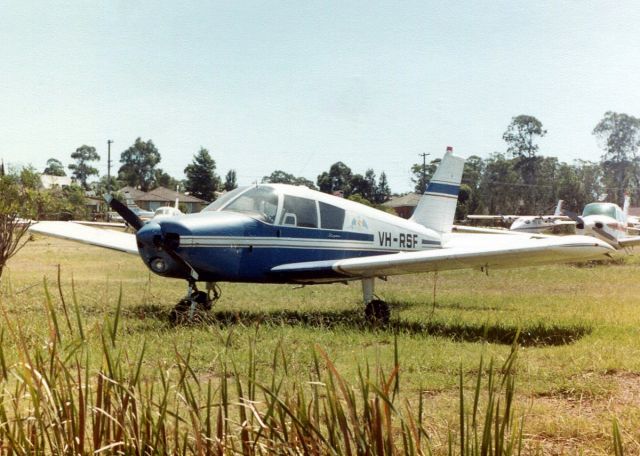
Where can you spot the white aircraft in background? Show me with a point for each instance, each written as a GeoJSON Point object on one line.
{"type": "Point", "coordinates": [162, 211]}
{"type": "Point", "coordinates": [169, 211]}
{"type": "Point", "coordinates": [606, 221]}
{"type": "Point", "coordinates": [275, 233]}
{"type": "Point", "coordinates": [530, 223]}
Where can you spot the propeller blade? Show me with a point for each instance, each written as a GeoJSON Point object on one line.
{"type": "Point", "coordinates": [127, 214]}
{"type": "Point", "coordinates": [575, 217]}
{"type": "Point", "coordinates": [169, 243]}
{"type": "Point", "coordinates": [604, 234]}
{"type": "Point", "coordinates": [181, 261]}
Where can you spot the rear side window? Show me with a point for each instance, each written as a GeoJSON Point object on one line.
{"type": "Point", "coordinates": [298, 211]}
{"type": "Point", "coordinates": [331, 217]}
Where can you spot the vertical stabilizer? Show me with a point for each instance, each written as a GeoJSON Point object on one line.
{"type": "Point", "coordinates": [558, 211]}
{"type": "Point", "coordinates": [131, 204]}
{"type": "Point", "coordinates": [437, 207]}
{"type": "Point", "coordinates": [625, 206]}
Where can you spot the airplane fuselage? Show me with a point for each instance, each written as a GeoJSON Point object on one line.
{"type": "Point", "coordinates": [237, 244]}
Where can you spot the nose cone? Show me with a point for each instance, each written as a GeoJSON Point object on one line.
{"type": "Point", "coordinates": [156, 248]}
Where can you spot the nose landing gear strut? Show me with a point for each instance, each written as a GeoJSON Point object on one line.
{"type": "Point", "coordinates": [195, 303]}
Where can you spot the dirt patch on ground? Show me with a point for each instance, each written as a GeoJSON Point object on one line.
{"type": "Point", "coordinates": [580, 420]}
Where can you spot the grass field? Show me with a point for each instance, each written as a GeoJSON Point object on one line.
{"type": "Point", "coordinates": [578, 366]}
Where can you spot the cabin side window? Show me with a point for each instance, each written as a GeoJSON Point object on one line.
{"type": "Point", "coordinates": [331, 217]}
{"type": "Point", "coordinates": [298, 211]}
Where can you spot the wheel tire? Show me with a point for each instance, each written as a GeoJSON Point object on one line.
{"type": "Point", "coordinates": [377, 312]}
{"type": "Point", "coordinates": [179, 312]}
{"type": "Point", "coordinates": [202, 300]}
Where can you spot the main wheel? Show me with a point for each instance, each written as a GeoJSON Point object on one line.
{"type": "Point", "coordinates": [180, 313]}
{"type": "Point", "coordinates": [377, 312]}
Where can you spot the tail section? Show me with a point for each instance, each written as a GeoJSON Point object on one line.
{"type": "Point", "coordinates": [558, 211]}
{"type": "Point", "coordinates": [131, 204]}
{"type": "Point", "coordinates": [437, 207]}
{"type": "Point", "coordinates": [625, 206]}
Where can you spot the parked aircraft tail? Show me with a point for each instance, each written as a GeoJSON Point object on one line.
{"type": "Point", "coordinates": [131, 204]}
{"type": "Point", "coordinates": [558, 211]}
{"type": "Point", "coordinates": [625, 206]}
{"type": "Point", "coordinates": [437, 207]}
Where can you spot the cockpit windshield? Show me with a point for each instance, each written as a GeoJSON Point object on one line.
{"type": "Point", "coordinates": [224, 199]}
{"type": "Point", "coordinates": [606, 209]}
{"type": "Point", "coordinates": [259, 202]}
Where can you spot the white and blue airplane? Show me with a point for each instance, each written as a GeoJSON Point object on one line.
{"type": "Point", "coordinates": [275, 233]}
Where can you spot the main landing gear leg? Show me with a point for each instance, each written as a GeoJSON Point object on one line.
{"type": "Point", "coordinates": [194, 301]}
{"type": "Point", "coordinates": [376, 311]}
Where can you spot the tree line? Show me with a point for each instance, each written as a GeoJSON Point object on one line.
{"type": "Point", "coordinates": [518, 180]}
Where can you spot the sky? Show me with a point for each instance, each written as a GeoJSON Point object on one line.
{"type": "Point", "coordinates": [299, 85]}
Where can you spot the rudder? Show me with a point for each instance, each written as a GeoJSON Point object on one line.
{"type": "Point", "coordinates": [437, 207]}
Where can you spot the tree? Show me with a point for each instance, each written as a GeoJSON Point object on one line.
{"type": "Point", "coordinates": [417, 171]}
{"type": "Point", "coordinates": [282, 177]}
{"type": "Point", "coordinates": [202, 180]}
{"type": "Point", "coordinates": [162, 179]}
{"type": "Point", "coordinates": [497, 186]}
{"type": "Point", "coordinates": [230, 180]}
{"type": "Point", "coordinates": [54, 168]}
{"type": "Point", "coordinates": [472, 177]}
{"type": "Point", "coordinates": [102, 186]}
{"type": "Point", "coordinates": [383, 192]}
{"type": "Point", "coordinates": [15, 206]}
{"type": "Point", "coordinates": [81, 169]}
{"type": "Point", "coordinates": [521, 135]}
{"type": "Point", "coordinates": [337, 179]}
{"type": "Point", "coordinates": [29, 178]}
{"type": "Point", "coordinates": [619, 137]}
{"type": "Point", "coordinates": [138, 165]}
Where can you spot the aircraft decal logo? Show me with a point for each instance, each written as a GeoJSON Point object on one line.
{"type": "Point", "coordinates": [359, 223]}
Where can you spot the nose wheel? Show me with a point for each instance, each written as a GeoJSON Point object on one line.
{"type": "Point", "coordinates": [195, 304]}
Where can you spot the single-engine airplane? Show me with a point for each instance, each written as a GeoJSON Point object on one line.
{"type": "Point", "coordinates": [530, 223]}
{"type": "Point", "coordinates": [606, 221]}
{"type": "Point", "coordinates": [275, 233]}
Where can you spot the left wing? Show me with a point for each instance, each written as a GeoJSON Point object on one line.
{"type": "Point", "coordinates": [461, 252]}
{"type": "Point", "coordinates": [116, 240]}
{"type": "Point", "coordinates": [629, 241]}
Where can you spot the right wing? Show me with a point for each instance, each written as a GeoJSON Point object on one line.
{"type": "Point", "coordinates": [464, 251]}
{"type": "Point", "coordinates": [116, 240]}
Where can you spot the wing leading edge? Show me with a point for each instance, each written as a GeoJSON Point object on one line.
{"type": "Point", "coordinates": [508, 254]}
{"type": "Point", "coordinates": [123, 242]}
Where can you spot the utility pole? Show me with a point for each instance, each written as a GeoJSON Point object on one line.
{"type": "Point", "coordinates": [109, 142]}
{"type": "Point", "coordinates": [424, 171]}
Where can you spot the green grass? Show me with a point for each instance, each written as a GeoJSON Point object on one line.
{"type": "Point", "coordinates": [578, 367]}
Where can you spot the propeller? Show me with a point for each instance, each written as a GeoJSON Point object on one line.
{"type": "Point", "coordinates": [169, 242]}
{"type": "Point", "coordinates": [575, 217]}
{"type": "Point", "coordinates": [596, 227]}
{"type": "Point", "coordinates": [127, 214]}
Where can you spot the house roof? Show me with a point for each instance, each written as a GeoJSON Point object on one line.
{"type": "Point", "coordinates": [164, 194]}
{"type": "Point", "coordinates": [408, 200]}
{"type": "Point", "coordinates": [134, 192]}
